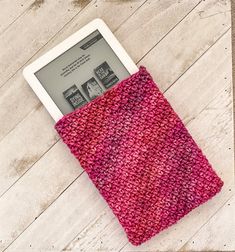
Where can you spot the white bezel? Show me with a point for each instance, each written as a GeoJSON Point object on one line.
{"type": "Point", "coordinates": [96, 24]}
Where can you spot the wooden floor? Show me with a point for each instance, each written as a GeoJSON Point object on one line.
{"type": "Point", "coordinates": [47, 202]}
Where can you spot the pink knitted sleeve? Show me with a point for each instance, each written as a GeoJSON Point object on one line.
{"type": "Point", "coordinates": [140, 156]}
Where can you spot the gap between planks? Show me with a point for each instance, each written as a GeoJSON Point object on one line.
{"type": "Point", "coordinates": [197, 231]}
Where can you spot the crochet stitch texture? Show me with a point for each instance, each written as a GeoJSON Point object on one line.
{"type": "Point", "coordinates": [140, 156]}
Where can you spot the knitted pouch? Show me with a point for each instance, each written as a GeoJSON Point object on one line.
{"type": "Point", "coordinates": [140, 156]}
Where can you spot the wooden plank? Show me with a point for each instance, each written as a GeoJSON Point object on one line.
{"type": "Point", "coordinates": [24, 146]}
{"type": "Point", "coordinates": [219, 135]}
{"type": "Point", "coordinates": [55, 233]}
{"type": "Point", "coordinates": [12, 96]}
{"type": "Point", "coordinates": [96, 235]}
{"type": "Point", "coordinates": [233, 43]}
{"type": "Point", "coordinates": [11, 10]}
{"type": "Point", "coordinates": [21, 40]}
{"type": "Point", "coordinates": [218, 233]}
{"type": "Point", "coordinates": [149, 25]}
{"type": "Point", "coordinates": [71, 204]}
{"type": "Point", "coordinates": [42, 185]}
{"type": "Point", "coordinates": [15, 93]}
{"type": "Point", "coordinates": [169, 60]}
{"type": "Point", "coordinates": [16, 88]}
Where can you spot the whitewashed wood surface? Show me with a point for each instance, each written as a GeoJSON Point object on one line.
{"type": "Point", "coordinates": [47, 202]}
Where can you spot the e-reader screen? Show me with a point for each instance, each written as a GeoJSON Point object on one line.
{"type": "Point", "coordinates": [82, 73]}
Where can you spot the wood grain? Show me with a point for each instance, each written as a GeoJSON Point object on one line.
{"type": "Point", "coordinates": [214, 235]}
{"type": "Point", "coordinates": [11, 10]}
{"type": "Point", "coordinates": [171, 59]}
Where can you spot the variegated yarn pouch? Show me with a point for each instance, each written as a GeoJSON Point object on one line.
{"type": "Point", "coordinates": [140, 156]}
